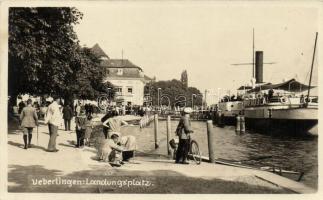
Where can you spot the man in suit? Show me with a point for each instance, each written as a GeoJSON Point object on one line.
{"type": "Point", "coordinates": [53, 119]}
{"type": "Point", "coordinates": [67, 116]}
{"type": "Point", "coordinates": [29, 120]}
{"type": "Point", "coordinates": [183, 131]}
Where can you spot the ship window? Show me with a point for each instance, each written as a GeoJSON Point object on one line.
{"type": "Point", "coordinates": [120, 72]}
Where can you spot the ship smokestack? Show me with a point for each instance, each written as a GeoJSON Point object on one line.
{"type": "Point", "coordinates": [259, 67]}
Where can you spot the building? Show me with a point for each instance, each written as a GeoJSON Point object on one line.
{"type": "Point", "coordinates": [129, 79]}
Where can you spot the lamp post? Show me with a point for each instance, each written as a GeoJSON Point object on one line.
{"type": "Point", "coordinates": [158, 97]}
{"type": "Point", "coordinates": [193, 95]}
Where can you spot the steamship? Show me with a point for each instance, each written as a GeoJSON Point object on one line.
{"type": "Point", "coordinates": [228, 110]}
{"type": "Point", "coordinates": [281, 107]}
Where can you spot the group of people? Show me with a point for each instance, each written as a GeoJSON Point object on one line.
{"type": "Point", "coordinates": [29, 120]}
{"type": "Point", "coordinates": [126, 109]}
{"type": "Point", "coordinates": [113, 147]}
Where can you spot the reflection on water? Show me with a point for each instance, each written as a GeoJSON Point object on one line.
{"type": "Point", "coordinates": [289, 153]}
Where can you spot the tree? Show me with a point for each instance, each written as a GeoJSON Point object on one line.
{"type": "Point", "coordinates": [173, 89]}
{"type": "Point", "coordinates": [87, 80]}
{"type": "Point", "coordinates": [41, 42]}
{"type": "Point", "coordinates": [45, 56]}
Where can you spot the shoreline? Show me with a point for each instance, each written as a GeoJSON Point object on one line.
{"type": "Point", "coordinates": [166, 176]}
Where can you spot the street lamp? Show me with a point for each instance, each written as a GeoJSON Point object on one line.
{"type": "Point", "coordinates": [193, 95]}
{"type": "Point", "coordinates": [158, 96]}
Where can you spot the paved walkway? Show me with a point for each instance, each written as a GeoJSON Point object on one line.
{"type": "Point", "coordinates": [26, 166]}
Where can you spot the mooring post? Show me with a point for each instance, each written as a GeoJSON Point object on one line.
{"type": "Point", "coordinates": [238, 121]}
{"type": "Point", "coordinates": [156, 130]}
{"type": "Point", "coordinates": [168, 133]}
{"type": "Point", "coordinates": [243, 124]}
{"type": "Point", "coordinates": [211, 141]}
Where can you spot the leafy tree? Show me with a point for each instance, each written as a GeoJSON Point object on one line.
{"type": "Point", "coordinates": [41, 42]}
{"type": "Point", "coordinates": [87, 80]}
{"type": "Point", "coordinates": [173, 89]}
{"type": "Point", "coordinates": [45, 56]}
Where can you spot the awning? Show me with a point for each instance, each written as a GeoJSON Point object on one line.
{"type": "Point", "coordinates": [244, 88]}
{"type": "Point", "coordinates": [291, 85]}
{"type": "Point", "coordinates": [120, 99]}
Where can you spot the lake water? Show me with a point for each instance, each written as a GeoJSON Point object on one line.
{"type": "Point", "coordinates": [289, 153]}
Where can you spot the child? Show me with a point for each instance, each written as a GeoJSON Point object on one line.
{"type": "Point", "coordinates": [88, 130]}
{"type": "Point", "coordinates": [80, 129]}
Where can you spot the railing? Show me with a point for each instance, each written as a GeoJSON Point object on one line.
{"type": "Point", "coordinates": [195, 115]}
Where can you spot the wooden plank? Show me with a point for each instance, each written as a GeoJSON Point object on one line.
{"type": "Point", "coordinates": [285, 183]}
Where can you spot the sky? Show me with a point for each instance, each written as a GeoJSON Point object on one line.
{"type": "Point", "coordinates": [205, 38]}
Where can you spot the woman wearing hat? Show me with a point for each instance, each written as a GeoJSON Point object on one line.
{"type": "Point", "coordinates": [183, 131]}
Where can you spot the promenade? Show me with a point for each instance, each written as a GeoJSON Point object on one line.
{"type": "Point", "coordinates": [159, 173]}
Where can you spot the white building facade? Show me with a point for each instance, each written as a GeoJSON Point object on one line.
{"type": "Point", "coordinates": [128, 79]}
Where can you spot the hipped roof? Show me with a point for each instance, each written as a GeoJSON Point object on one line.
{"type": "Point", "coordinates": [97, 50]}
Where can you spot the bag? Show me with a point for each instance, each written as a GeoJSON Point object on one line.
{"type": "Point", "coordinates": [173, 143]}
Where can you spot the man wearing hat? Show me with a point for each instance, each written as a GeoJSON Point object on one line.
{"type": "Point", "coordinates": [53, 119]}
{"type": "Point", "coordinates": [29, 120]}
{"type": "Point", "coordinates": [183, 131]}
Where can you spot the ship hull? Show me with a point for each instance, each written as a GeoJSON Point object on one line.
{"type": "Point", "coordinates": [230, 120]}
{"type": "Point", "coordinates": [294, 121]}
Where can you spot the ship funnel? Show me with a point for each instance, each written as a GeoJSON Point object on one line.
{"type": "Point", "coordinates": [259, 67]}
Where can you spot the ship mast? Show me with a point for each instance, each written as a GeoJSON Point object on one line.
{"type": "Point", "coordinates": [310, 81]}
{"type": "Point", "coordinates": [253, 53]}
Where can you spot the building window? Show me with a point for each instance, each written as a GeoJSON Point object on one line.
{"type": "Point", "coordinates": [119, 89]}
{"type": "Point", "coordinates": [120, 72]}
{"type": "Point", "coordinates": [130, 90]}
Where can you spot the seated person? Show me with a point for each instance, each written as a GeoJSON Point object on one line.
{"type": "Point", "coordinates": [114, 124]}
{"type": "Point", "coordinates": [110, 151]}
{"type": "Point", "coordinates": [129, 144]}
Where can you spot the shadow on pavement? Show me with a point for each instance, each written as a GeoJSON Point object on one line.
{"type": "Point", "coordinates": [66, 145]}
{"type": "Point", "coordinates": [21, 145]}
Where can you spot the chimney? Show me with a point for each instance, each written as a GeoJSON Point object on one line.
{"type": "Point", "coordinates": [259, 67]}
